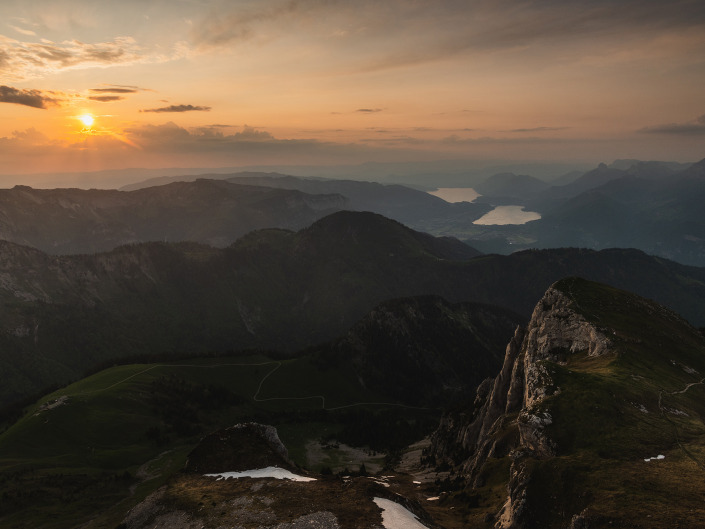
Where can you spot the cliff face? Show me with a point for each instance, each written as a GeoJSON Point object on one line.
{"type": "Point", "coordinates": [554, 331]}
{"type": "Point", "coordinates": [539, 415]}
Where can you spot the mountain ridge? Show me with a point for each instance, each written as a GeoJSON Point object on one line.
{"type": "Point", "coordinates": [274, 289]}
{"type": "Point", "coordinates": [597, 381]}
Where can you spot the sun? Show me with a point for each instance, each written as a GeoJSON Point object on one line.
{"type": "Point", "coordinates": [87, 120]}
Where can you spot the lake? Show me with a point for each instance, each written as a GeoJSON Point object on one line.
{"type": "Point", "coordinates": [507, 215]}
{"type": "Point", "coordinates": [498, 216]}
{"type": "Point", "coordinates": [455, 194]}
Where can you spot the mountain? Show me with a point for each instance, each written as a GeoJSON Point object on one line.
{"type": "Point", "coordinates": [92, 451]}
{"type": "Point", "coordinates": [412, 207]}
{"type": "Point", "coordinates": [424, 350]}
{"type": "Point", "coordinates": [656, 170]}
{"type": "Point", "coordinates": [273, 289]}
{"type": "Point", "coordinates": [595, 419]}
{"type": "Point", "coordinates": [510, 185]}
{"type": "Point", "coordinates": [409, 206]}
{"type": "Point", "coordinates": [213, 209]}
{"type": "Point", "coordinates": [651, 207]}
{"type": "Point", "coordinates": [660, 216]}
{"type": "Point", "coordinates": [62, 221]}
{"type": "Point", "coordinates": [590, 180]}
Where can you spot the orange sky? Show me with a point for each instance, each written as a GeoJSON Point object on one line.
{"type": "Point", "coordinates": [209, 83]}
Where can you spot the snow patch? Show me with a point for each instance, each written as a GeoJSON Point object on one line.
{"type": "Point", "coordinates": [395, 516]}
{"type": "Point", "coordinates": [269, 472]}
{"type": "Point", "coordinates": [380, 481]}
{"type": "Point", "coordinates": [640, 407]}
{"type": "Point", "coordinates": [660, 456]}
{"type": "Point", "coordinates": [674, 411]}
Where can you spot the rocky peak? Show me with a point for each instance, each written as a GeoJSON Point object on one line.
{"type": "Point", "coordinates": [571, 422]}
{"type": "Point", "coordinates": [555, 331]}
{"type": "Point", "coordinates": [511, 412]}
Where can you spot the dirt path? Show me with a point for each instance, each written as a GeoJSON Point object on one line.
{"type": "Point", "coordinates": [664, 414]}
{"type": "Point", "coordinates": [255, 397]}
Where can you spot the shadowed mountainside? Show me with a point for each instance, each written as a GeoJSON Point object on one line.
{"type": "Point", "coordinates": [273, 289]}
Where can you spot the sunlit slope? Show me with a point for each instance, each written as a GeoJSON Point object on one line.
{"type": "Point", "coordinates": [642, 400]}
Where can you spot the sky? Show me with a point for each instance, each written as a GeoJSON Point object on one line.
{"type": "Point", "coordinates": [90, 85]}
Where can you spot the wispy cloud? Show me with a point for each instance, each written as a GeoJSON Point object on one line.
{"type": "Point", "coordinates": [22, 31]}
{"type": "Point", "coordinates": [30, 98]}
{"type": "Point", "coordinates": [115, 90]}
{"type": "Point", "coordinates": [178, 108]}
{"type": "Point", "coordinates": [30, 60]}
{"type": "Point", "coordinates": [105, 99]}
{"type": "Point", "coordinates": [368, 110]}
{"type": "Point", "coordinates": [398, 33]}
{"type": "Point", "coordinates": [538, 129]}
{"type": "Point", "coordinates": [691, 128]}
{"type": "Point", "coordinates": [112, 93]}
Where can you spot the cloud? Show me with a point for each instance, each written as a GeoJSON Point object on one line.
{"type": "Point", "coordinates": [252, 134]}
{"type": "Point", "coordinates": [115, 90]}
{"type": "Point", "coordinates": [374, 35]}
{"type": "Point", "coordinates": [538, 129]}
{"type": "Point", "coordinates": [368, 110]}
{"type": "Point", "coordinates": [22, 31]}
{"type": "Point", "coordinates": [113, 93]}
{"type": "Point", "coordinates": [692, 128]}
{"type": "Point", "coordinates": [30, 60]}
{"type": "Point", "coordinates": [30, 136]}
{"type": "Point", "coordinates": [178, 108]}
{"type": "Point", "coordinates": [30, 98]}
{"type": "Point", "coordinates": [105, 99]}
{"type": "Point", "coordinates": [235, 25]}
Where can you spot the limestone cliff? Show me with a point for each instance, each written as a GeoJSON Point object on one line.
{"type": "Point", "coordinates": [511, 412]}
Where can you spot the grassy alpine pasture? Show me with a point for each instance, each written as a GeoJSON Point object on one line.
{"type": "Point", "coordinates": [102, 444]}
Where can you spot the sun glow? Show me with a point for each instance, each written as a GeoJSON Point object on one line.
{"type": "Point", "coordinates": [87, 120]}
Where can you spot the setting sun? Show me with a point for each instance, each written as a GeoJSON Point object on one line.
{"type": "Point", "coordinates": [87, 120]}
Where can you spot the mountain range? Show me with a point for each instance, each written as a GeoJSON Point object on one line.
{"type": "Point", "coordinates": [274, 289]}
{"type": "Point", "coordinates": [384, 368]}
{"type": "Point", "coordinates": [652, 206]}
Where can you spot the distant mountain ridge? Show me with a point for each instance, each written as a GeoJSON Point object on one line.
{"type": "Point", "coordinates": [511, 185]}
{"type": "Point", "coordinates": [652, 206]}
{"type": "Point", "coordinates": [208, 211]}
{"type": "Point", "coordinates": [214, 210]}
{"type": "Point", "coordinates": [415, 208]}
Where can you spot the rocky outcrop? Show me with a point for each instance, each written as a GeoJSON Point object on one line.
{"type": "Point", "coordinates": [245, 446]}
{"type": "Point", "coordinates": [512, 411]}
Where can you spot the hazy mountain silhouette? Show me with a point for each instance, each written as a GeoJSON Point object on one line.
{"type": "Point", "coordinates": [64, 221]}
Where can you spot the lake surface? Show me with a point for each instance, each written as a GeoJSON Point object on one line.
{"type": "Point", "coordinates": [500, 215]}
{"type": "Point", "coordinates": [507, 215]}
{"type": "Point", "coordinates": [455, 194]}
